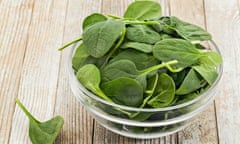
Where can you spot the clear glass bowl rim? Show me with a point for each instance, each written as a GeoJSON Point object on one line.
{"type": "Point", "coordinates": [95, 97]}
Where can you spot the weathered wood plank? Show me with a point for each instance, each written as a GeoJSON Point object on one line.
{"type": "Point", "coordinates": [204, 129]}
{"type": "Point", "coordinates": [223, 21]}
{"type": "Point", "coordinates": [14, 24]}
{"type": "Point", "coordinates": [78, 126]}
{"type": "Point", "coordinates": [40, 68]}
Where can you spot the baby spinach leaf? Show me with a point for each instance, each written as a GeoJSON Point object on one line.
{"type": "Point", "coordinates": [189, 31]}
{"type": "Point", "coordinates": [89, 76]}
{"type": "Point", "coordinates": [42, 132]}
{"type": "Point", "coordinates": [79, 57]}
{"type": "Point", "coordinates": [164, 92]}
{"type": "Point", "coordinates": [100, 37]}
{"type": "Point", "coordinates": [211, 59]}
{"type": "Point", "coordinates": [143, 34]}
{"type": "Point", "coordinates": [125, 91]}
{"type": "Point", "coordinates": [146, 48]}
{"type": "Point", "coordinates": [143, 10]}
{"type": "Point", "coordinates": [191, 83]}
{"type": "Point", "coordinates": [120, 68]}
{"type": "Point", "coordinates": [208, 73]}
{"type": "Point", "coordinates": [92, 19]}
{"type": "Point", "coordinates": [176, 49]}
{"type": "Point", "coordinates": [141, 60]}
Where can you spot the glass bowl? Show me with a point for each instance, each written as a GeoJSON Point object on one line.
{"type": "Point", "coordinates": [162, 121]}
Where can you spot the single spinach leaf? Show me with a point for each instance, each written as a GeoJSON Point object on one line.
{"type": "Point", "coordinates": [89, 76]}
{"type": "Point", "coordinates": [208, 73]}
{"type": "Point", "coordinates": [120, 68]}
{"type": "Point", "coordinates": [125, 91]}
{"type": "Point", "coordinates": [164, 92]}
{"type": "Point", "coordinates": [189, 31]}
{"type": "Point", "coordinates": [146, 48]}
{"type": "Point", "coordinates": [79, 57]}
{"type": "Point", "coordinates": [42, 132]}
{"type": "Point", "coordinates": [176, 49]}
{"type": "Point", "coordinates": [191, 83]}
{"type": "Point", "coordinates": [100, 37]}
{"type": "Point", "coordinates": [143, 10]}
{"type": "Point", "coordinates": [92, 19]}
{"type": "Point", "coordinates": [211, 59]}
{"type": "Point", "coordinates": [143, 34]}
{"type": "Point", "coordinates": [141, 60]}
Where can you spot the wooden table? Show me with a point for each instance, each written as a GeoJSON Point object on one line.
{"type": "Point", "coordinates": [33, 70]}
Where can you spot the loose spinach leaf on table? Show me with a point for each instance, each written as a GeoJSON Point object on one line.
{"type": "Point", "coordinates": [42, 132]}
{"type": "Point", "coordinates": [164, 92]}
{"type": "Point", "coordinates": [143, 34]}
{"type": "Point", "coordinates": [100, 37]}
{"type": "Point", "coordinates": [143, 10]}
{"type": "Point", "coordinates": [177, 49]}
{"type": "Point", "coordinates": [89, 76]}
{"type": "Point", "coordinates": [125, 91]}
{"type": "Point", "coordinates": [146, 48]}
{"type": "Point", "coordinates": [92, 19]}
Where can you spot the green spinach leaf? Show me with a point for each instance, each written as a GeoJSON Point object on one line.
{"type": "Point", "coordinates": [79, 57]}
{"type": "Point", "coordinates": [189, 31]}
{"type": "Point", "coordinates": [89, 76]}
{"type": "Point", "coordinates": [146, 48]}
{"type": "Point", "coordinates": [177, 49]}
{"type": "Point", "coordinates": [191, 83]}
{"type": "Point", "coordinates": [141, 60]}
{"type": "Point", "coordinates": [92, 19]}
{"type": "Point", "coordinates": [164, 92]}
{"type": "Point", "coordinates": [125, 91]}
{"type": "Point", "coordinates": [143, 10]}
{"type": "Point", "coordinates": [212, 59]}
{"type": "Point", "coordinates": [208, 73]}
{"type": "Point", "coordinates": [143, 34]}
{"type": "Point", "coordinates": [100, 37]}
{"type": "Point", "coordinates": [42, 132]}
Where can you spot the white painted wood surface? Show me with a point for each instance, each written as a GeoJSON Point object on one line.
{"type": "Point", "coordinates": [33, 70]}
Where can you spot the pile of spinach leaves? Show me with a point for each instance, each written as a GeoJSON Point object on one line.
{"type": "Point", "coordinates": [143, 59]}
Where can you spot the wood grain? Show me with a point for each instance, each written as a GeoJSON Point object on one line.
{"type": "Point", "coordinates": [204, 128]}
{"type": "Point", "coordinates": [15, 19]}
{"type": "Point", "coordinates": [78, 125]}
{"type": "Point", "coordinates": [223, 21]}
{"type": "Point", "coordinates": [40, 67]}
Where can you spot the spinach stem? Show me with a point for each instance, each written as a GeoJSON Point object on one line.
{"type": "Point", "coordinates": [156, 67]}
{"type": "Point", "coordinates": [29, 115]}
{"type": "Point", "coordinates": [70, 43]}
{"type": "Point", "coordinates": [102, 95]}
{"type": "Point", "coordinates": [115, 47]}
